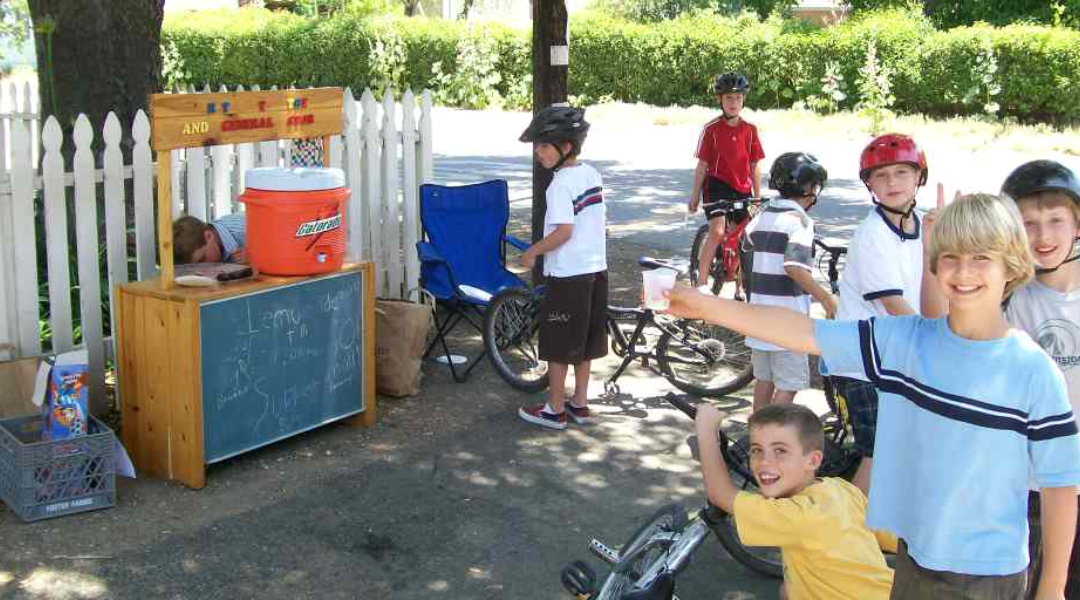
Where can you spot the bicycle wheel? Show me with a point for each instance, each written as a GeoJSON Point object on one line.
{"type": "Point", "coordinates": [704, 359]}
{"type": "Point", "coordinates": [716, 271]}
{"type": "Point", "coordinates": [670, 518]}
{"type": "Point", "coordinates": [760, 559]}
{"type": "Point", "coordinates": [511, 337]}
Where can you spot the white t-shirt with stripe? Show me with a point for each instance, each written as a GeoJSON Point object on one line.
{"type": "Point", "coordinates": [576, 196]}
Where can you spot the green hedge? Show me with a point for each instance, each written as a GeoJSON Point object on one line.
{"type": "Point", "coordinates": [664, 64]}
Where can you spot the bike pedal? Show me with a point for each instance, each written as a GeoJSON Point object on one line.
{"type": "Point", "coordinates": [604, 552]}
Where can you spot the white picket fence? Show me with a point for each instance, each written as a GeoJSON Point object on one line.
{"type": "Point", "coordinates": [385, 151]}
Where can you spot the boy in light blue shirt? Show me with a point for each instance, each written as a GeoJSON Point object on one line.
{"type": "Point", "coordinates": [969, 410]}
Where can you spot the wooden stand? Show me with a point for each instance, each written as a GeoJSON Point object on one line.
{"type": "Point", "coordinates": [169, 425]}
{"type": "Point", "coordinates": [209, 373]}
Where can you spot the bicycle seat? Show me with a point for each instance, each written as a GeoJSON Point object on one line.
{"type": "Point", "coordinates": [680, 266]}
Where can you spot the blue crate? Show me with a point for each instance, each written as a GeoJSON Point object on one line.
{"type": "Point", "coordinates": [41, 480]}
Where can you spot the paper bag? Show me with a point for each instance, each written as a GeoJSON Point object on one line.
{"type": "Point", "coordinates": [401, 329]}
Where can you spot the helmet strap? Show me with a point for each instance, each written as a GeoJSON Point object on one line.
{"type": "Point", "coordinates": [563, 156]}
{"type": "Point", "coordinates": [1073, 255]}
{"type": "Point", "coordinates": [904, 214]}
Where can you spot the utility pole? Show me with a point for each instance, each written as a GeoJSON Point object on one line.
{"type": "Point", "coordinates": [550, 60]}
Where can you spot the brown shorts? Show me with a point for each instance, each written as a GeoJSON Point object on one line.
{"type": "Point", "coordinates": [573, 318]}
{"type": "Point", "coordinates": [913, 582]}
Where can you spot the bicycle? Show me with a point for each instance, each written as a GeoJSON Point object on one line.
{"type": "Point", "coordinates": [727, 264]}
{"type": "Point", "coordinates": [697, 357]}
{"type": "Point", "coordinates": [647, 565]}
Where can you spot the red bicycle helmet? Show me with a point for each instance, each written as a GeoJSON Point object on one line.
{"type": "Point", "coordinates": [891, 149]}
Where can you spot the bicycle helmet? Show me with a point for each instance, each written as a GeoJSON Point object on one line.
{"type": "Point", "coordinates": [797, 174]}
{"type": "Point", "coordinates": [1041, 176]}
{"type": "Point", "coordinates": [731, 82]}
{"type": "Point", "coordinates": [557, 124]}
{"type": "Point", "coordinates": [1044, 176]}
{"type": "Point", "coordinates": [891, 149]}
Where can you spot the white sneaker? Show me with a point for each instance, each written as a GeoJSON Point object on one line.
{"type": "Point", "coordinates": [704, 289]}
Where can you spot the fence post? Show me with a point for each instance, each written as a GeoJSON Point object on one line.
{"type": "Point", "coordinates": [221, 167]}
{"type": "Point", "coordinates": [410, 213]}
{"type": "Point", "coordinates": [424, 157]}
{"type": "Point", "coordinates": [24, 237]}
{"type": "Point", "coordinates": [56, 237]}
{"type": "Point", "coordinates": [115, 215]}
{"type": "Point", "coordinates": [389, 180]}
{"type": "Point", "coordinates": [142, 174]}
{"type": "Point", "coordinates": [373, 213]}
{"type": "Point", "coordinates": [354, 213]}
{"type": "Point", "coordinates": [86, 239]}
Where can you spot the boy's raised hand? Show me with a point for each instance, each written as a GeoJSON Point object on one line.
{"type": "Point", "coordinates": [708, 418]}
{"type": "Point", "coordinates": [932, 214]}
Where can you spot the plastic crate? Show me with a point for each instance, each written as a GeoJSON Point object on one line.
{"type": "Point", "coordinates": [41, 480]}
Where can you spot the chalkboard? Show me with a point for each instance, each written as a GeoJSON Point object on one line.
{"type": "Point", "coordinates": [279, 362]}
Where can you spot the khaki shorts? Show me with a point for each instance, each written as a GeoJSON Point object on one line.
{"type": "Point", "coordinates": [913, 582]}
{"type": "Point", "coordinates": [788, 371]}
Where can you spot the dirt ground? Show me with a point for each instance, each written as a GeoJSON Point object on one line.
{"type": "Point", "coordinates": [450, 496]}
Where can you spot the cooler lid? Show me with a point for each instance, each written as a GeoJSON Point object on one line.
{"type": "Point", "coordinates": [298, 179]}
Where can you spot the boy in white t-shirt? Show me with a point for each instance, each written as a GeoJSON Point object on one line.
{"type": "Point", "coordinates": [782, 236]}
{"type": "Point", "coordinates": [884, 269]}
{"type": "Point", "coordinates": [1048, 308]}
{"type": "Point", "coordinates": [573, 313]}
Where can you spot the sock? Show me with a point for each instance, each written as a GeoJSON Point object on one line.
{"type": "Point", "coordinates": [549, 410]}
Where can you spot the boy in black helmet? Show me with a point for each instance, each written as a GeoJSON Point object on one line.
{"type": "Point", "coordinates": [572, 316]}
{"type": "Point", "coordinates": [1048, 308]}
{"type": "Point", "coordinates": [728, 153]}
{"type": "Point", "coordinates": [782, 236]}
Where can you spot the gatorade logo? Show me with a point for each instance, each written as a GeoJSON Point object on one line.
{"type": "Point", "coordinates": [318, 226]}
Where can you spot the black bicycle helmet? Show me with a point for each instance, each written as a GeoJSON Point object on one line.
{"type": "Point", "coordinates": [797, 174]}
{"type": "Point", "coordinates": [556, 124]}
{"type": "Point", "coordinates": [1041, 176]}
{"type": "Point", "coordinates": [731, 82]}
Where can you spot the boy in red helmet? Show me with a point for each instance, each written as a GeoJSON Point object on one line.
{"type": "Point", "coordinates": [728, 153]}
{"type": "Point", "coordinates": [884, 270]}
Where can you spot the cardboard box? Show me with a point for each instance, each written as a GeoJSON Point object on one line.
{"type": "Point", "coordinates": [17, 387]}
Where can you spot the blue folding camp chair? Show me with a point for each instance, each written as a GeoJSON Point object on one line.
{"type": "Point", "coordinates": [463, 260]}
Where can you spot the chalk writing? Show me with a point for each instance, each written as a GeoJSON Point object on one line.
{"type": "Point", "coordinates": [280, 361]}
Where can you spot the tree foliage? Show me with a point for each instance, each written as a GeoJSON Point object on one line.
{"type": "Point", "coordinates": [956, 13]}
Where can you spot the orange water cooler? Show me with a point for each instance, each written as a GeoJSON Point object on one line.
{"type": "Point", "coordinates": [295, 220]}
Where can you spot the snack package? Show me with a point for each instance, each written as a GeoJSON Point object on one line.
{"type": "Point", "coordinates": [67, 397]}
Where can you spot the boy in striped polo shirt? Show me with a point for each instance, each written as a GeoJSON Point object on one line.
{"type": "Point", "coordinates": [782, 236]}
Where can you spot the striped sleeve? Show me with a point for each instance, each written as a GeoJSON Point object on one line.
{"type": "Point", "coordinates": [1053, 442]}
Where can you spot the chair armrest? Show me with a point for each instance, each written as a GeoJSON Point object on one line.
{"type": "Point", "coordinates": [428, 253]}
{"type": "Point", "coordinates": [515, 242]}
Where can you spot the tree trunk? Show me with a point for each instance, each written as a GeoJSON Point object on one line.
{"type": "Point", "coordinates": [96, 56]}
{"type": "Point", "coordinates": [549, 87]}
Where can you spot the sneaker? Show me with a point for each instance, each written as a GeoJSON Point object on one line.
{"type": "Point", "coordinates": [704, 289]}
{"type": "Point", "coordinates": [579, 415]}
{"type": "Point", "coordinates": [538, 416]}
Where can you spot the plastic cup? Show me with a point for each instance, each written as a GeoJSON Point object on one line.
{"type": "Point", "coordinates": [656, 282]}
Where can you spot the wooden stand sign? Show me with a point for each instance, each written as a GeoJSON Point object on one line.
{"type": "Point", "coordinates": [209, 373]}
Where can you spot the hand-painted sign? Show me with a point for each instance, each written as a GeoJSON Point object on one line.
{"type": "Point", "coordinates": [192, 120]}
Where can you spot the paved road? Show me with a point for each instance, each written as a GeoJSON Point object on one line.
{"type": "Point", "coordinates": [648, 169]}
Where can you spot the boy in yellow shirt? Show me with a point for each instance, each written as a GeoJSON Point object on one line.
{"type": "Point", "coordinates": [819, 524]}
